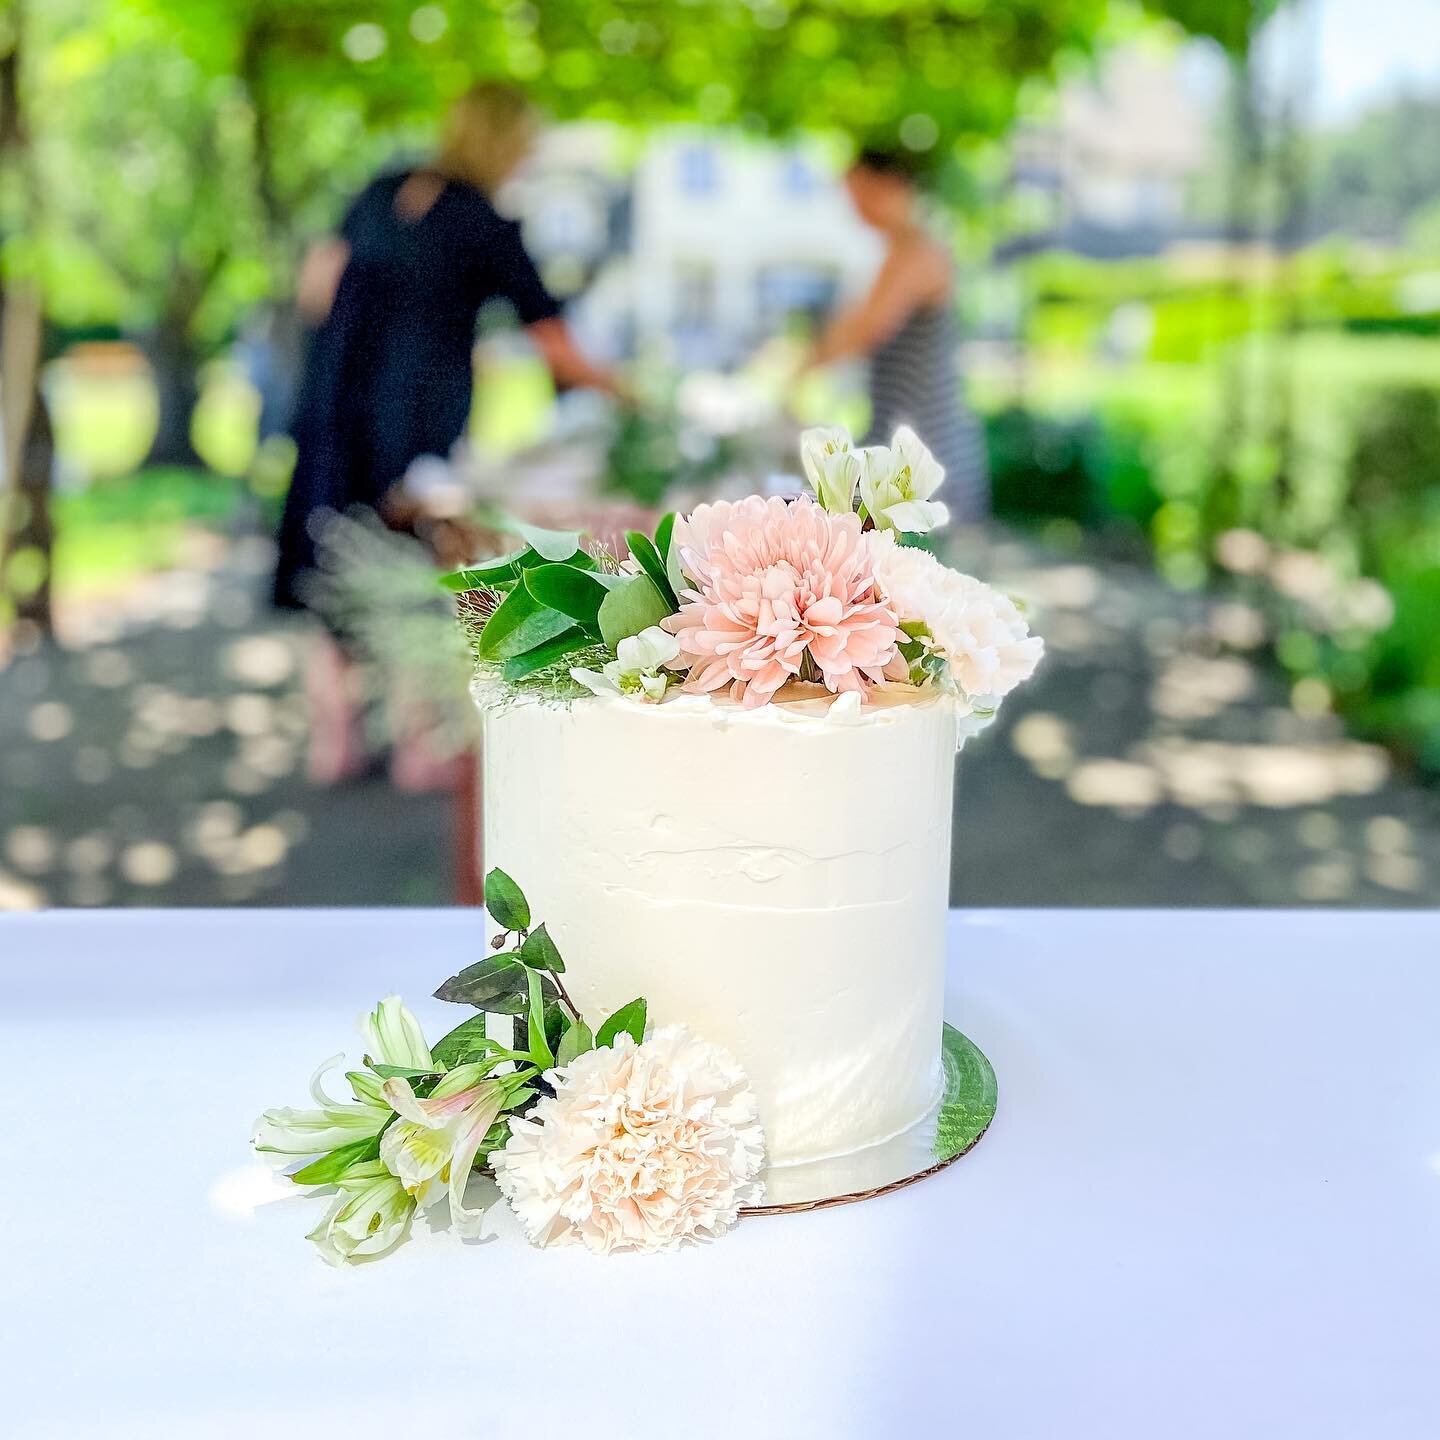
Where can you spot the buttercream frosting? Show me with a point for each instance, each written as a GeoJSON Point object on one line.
{"type": "Point", "coordinates": [775, 878]}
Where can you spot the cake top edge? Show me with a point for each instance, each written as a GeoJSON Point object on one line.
{"type": "Point", "coordinates": [799, 703]}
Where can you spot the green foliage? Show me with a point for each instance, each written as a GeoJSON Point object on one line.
{"type": "Point", "coordinates": [506, 902]}
{"type": "Point", "coordinates": [329, 1168]}
{"type": "Point", "coordinates": [568, 643]}
{"type": "Point", "coordinates": [646, 553]}
{"type": "Point", "coordinates": [520, 624]}
{"type": "Point", "coordinates": [465, 1041]}
{"type": "Point", "coordinates": [576, 1040]}
{"type": "Point", "coordinates": [630, 608]}
{"type": "Point", "coordinates": [539, 951]}
{"type": "Point", "coordinates": [497, 983]}
{"type": "Point", "coordinates": [576, 593]}
{"type": "Point", "coordinates": [627, 1020]}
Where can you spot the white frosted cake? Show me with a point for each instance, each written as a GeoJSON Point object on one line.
{"type": "Point", "coordinates": [718, 776]}
{"type": "Point", "coordinates": [775, 877]}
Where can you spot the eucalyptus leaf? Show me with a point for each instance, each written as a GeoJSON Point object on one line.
{"type": "Point", "coordinates": [628, 1019]}
{"type": "Point", "coordinates": [631, 608]}
{"type": "Point", "coordinates": [506, 902]}
{"type": "Point", "coordinates": [539, 951]}
{"type": "Point", "coordinates": [567, 642]}
{"type": "Point", "coordinates": [552, 544]}
{"type": "Point", "coordinates": [644, 553]}
{"type": "Point", "coordinates": [540, 1052]}
{"type": "Point", "coordinates": [329, 1168]}
{"type": "Point", "coordinates": [576, 593]}
{"type": "Point", "coordinates": [575, 1041]}
{"type": "Point", "coordinates": [519, 623]}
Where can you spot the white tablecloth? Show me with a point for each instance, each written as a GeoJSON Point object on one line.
{"type": "Point", "coordinates": [1209, 1207]}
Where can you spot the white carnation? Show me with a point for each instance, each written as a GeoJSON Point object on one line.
{"type": "Point", "coordinates": [979, 632]}
{"type": "Point", "coordinates": [640, 1148]}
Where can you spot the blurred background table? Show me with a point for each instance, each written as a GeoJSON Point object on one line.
{"type": "Point", "coordinates": [1208, 1206]}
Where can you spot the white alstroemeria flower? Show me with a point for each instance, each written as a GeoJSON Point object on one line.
{"type": "Point", "coordinates": [289, 1134]}
{"type": "Point", "coordinates": [897, 481]}
{"type": "Point", "coordinates": [638, 670]}
{"type": "Point", "coordinates": [832, 466]}
{"type": "Point", "coordinates": [371, 1213]}
{"type": "Point", "coordinates": [435, 1140]}
{"type": "Point", "coordinates": [393, 1036]}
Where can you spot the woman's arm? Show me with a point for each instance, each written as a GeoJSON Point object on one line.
{"type": "Point", "coordinates": [567, 362]}
{"type": "Point", "coordinates": [319, 277]}
{"type": "Point", "coordinates": [910, 276]}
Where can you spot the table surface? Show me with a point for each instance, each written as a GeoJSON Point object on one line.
{"type": "Point", "coordinates": [1209, 1206]}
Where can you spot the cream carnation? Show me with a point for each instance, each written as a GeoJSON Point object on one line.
{"type": "Point", "coordinates": [778, 585]}
{"type": "Point", "coordinates": [979, 632]}
{"type": "Point", "coordinates": [641, 1147]}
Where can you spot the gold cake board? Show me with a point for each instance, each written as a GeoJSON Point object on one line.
{"type": "Point", "coordinates": [952, 1128]}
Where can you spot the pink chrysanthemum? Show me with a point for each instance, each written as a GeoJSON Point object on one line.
{"type": "Point", "coordinates": [775, 584]}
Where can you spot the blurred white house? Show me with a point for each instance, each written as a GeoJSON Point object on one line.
{"type": "Point", "coordinates": [1111, 171]}
{"type": "Point", "coordinates": [707, 246]}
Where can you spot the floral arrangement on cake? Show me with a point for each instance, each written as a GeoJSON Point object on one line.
{"type": "Point", "coordinates": [606, 1137]}
{"type": "Point", "coordinates": [739, 599]}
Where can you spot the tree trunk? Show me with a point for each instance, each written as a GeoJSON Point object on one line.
{"type": "Point", "coordinates": [33, 525]}
{"type": "Point", "coordinates": [175, 367]}
{"type": "Point", "coordinates": [28, 459]}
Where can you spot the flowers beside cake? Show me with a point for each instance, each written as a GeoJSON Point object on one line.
{"type": "Point", "coordinates": [601, 1137]}
{"type": "Point", "coordinates": [745, 601]}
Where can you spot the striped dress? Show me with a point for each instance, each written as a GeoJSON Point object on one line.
{"type": "Point", "coordinates": [915, 381]}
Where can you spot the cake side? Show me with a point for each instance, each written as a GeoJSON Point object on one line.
{"type": "Point", "coordinates": [777, 877]}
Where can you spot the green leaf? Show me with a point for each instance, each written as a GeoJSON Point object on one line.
{"type": "Point", "coordinates": [539, 951]}
{"type": "Point", "coordinates": [552, 544]}
{"type": "Point", "coordinates": [506, 902]}
{"type": "Point", "coordinates": [502, 570]}
{"type": "Point", "coordinates": [643, 551]}
{"type": "Point", "coordinates": [629, 1019]}
{"type": "Point", "coordinates": [631, 608]}
{"type": "Point", "coordinates": [497, 984]}
{"type": "Point", "coordinates": [575, 1041]}
{"type": "Point", "coordinates": [556, 1018]}
{"type": "Point", "coordinates": [565, 643]}
{"type": "Point", "coordinates": [576, 593]}
{"type": "Point", "coordinates": [329, 1168]}
{"type": "Point", "coordinates": [465, 1040]}
{"type": "Point", "coordinates": [391, 1072]}
{"type": "Point", "coordinates": [665, 544]}
{"type": "Point", "coordinates": [540, 1052]}
{"type": "Point", "coordinates": [520, 623]}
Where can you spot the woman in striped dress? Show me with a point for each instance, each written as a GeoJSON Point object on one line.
{"type": "Point", "coordinates": [906, 327]}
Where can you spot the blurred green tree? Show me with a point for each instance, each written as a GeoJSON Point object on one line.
{"type": "Point", "coordinates": [186, 149]}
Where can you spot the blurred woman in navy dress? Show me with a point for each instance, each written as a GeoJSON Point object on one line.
{"type": "Point", "coordinates": [394, 299]}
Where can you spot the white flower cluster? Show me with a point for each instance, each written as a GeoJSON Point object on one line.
{"type": "Point", "coordinates": [893, 483]}
{"type": "Point", "coordinates": [979, 633]}
{"type": "Point", "coordinates": [640, 1148]}
{"type": "Point", "coordinates": [425, 1150]}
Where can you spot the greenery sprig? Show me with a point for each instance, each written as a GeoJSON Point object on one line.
{"type": "Point", "coordinates": [553, 599]}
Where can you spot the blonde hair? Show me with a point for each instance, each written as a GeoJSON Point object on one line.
{"type": "Point", "coordinates": [486, 133]}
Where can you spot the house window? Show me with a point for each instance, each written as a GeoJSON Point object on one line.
{"type": "Point", "coordinates": [699, 173]}
{"type": "Point", "coordinates": [796, 176]}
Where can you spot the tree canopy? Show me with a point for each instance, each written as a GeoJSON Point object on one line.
{"type": "Point", "coordinates": [188, 146]}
